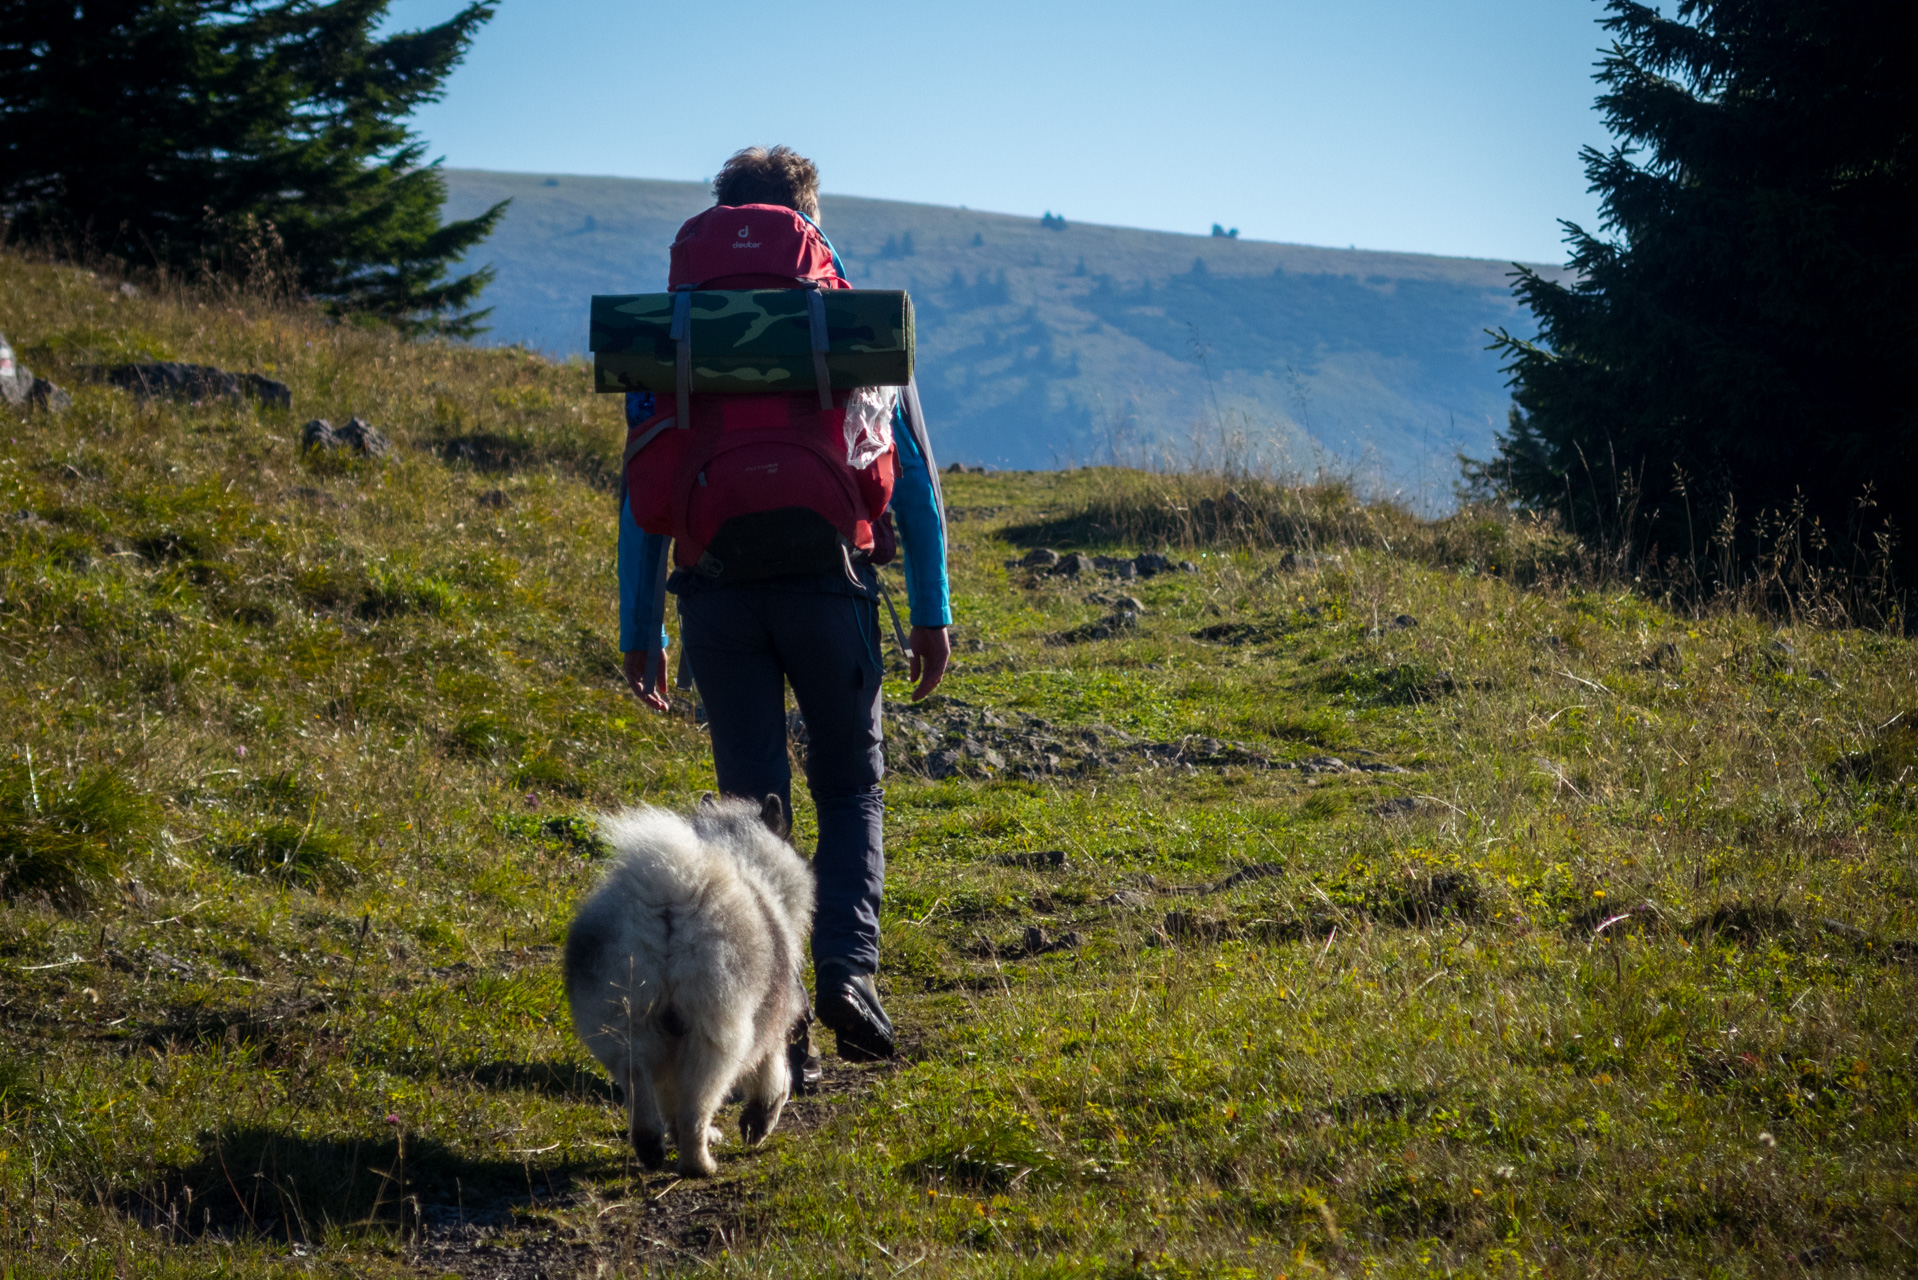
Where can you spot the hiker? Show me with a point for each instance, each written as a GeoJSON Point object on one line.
{"type": "Point", "coordinates": [791, 601]}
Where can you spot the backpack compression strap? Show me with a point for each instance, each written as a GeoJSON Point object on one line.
{"type": "Point", "coordinates": [821, 342]}
{"type": "Point", "coordinates": [682, 333]}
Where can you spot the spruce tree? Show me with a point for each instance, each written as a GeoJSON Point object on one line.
{"type": "Point", "coordinates": [1741, 334]}
{"type": "Point", "coordinates": [171, 132]}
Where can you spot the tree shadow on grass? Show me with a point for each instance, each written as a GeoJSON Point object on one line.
{"type": "Point", "coordinates": [264, 1183]}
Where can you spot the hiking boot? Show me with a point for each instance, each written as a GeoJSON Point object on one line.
{"type": "Point", "coordinates": [802, 1058]}
{"type": "Point", "coordinates": [849, 1004]}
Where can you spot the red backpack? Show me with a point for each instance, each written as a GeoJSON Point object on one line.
{"type": "Point", "coordinates": [758, 486]}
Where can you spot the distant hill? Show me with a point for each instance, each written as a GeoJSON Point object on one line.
{"type": "Point", "coordinates": [1041, 344]}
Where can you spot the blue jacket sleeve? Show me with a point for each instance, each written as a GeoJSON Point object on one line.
{"type": "Point", "coordinates": [922, 533]}
{"type": "Point", "coordinates": [642, 564]}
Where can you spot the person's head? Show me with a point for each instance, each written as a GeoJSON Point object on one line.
{"type": "Point", "coordinates": [780, 176]}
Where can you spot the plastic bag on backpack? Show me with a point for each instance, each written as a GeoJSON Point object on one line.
{"type": "Point", "coordinates": [869, 413]}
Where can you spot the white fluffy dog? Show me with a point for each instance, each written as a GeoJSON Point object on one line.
{"type": "Point", "coordinates": [683, 970]}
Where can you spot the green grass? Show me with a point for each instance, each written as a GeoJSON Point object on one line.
{"type": "Point", "coordinates": [1615, 979]}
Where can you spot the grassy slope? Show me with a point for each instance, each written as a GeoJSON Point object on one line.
{"type": "Point", "coordinates": [1409, 1052]}
{"type": "Point", "coordinates": [1040, 347]}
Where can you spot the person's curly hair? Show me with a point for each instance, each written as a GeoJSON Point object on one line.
{"type": "Point", "coordinates": [780, 176]}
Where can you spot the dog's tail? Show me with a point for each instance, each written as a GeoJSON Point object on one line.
{"type": "Point", "coordinates": [658, 854]}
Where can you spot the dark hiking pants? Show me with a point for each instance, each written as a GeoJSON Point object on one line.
{"type": "Point", "coordinates": [745, 644]}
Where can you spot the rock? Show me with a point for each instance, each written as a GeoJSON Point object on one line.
{"type": "Point", "coordinates": [1396, 807]}
{"type": "Point", "coordinates": [1104, 629]}
{"type": "Point", "coordinates": [1379, 767]}
{"type": "Point", "coordinates": [1149, 563]}
{"type": "Point", "coordinates": [943, 764]}
{"type": "Point", "coordinates": [357, 435]}
{"type": "Point", "coordinates": [1037, 942]}
{"type": "Point", "coordinates": [195, 383]}
{"type": "Point", "coordinates": [494, 498]}
{"type": "Point", "coordinates": [45, 395]}
{"type": "Point", "coordinates": [1404, 622]}
{"type": "Point", "coordinates": [1115, 600]}
{"type": "Point", "coordinates": [1073, 565]}
{"type": "Point", "coordinates": [956, 469]}
{"type": "Point", "coordinates": [18, 386]}
{"type": "Point", "coordinates": [1257, 871]}
{"type": "Point", "coordinates": [1293, 561]}
{"type": "Point", "coordinates": [1038, 558]}
{"type": "Point", "coordinates": [1188, 924]}
{"type": "Point", "coordinates": [1131, 898]}
{"type": "Point", "coordinates": [1047, 859]}
{"type": "Point", "coordinates": [1322, 764]}
{"type": "Point", "coordinates": [1186, 566]}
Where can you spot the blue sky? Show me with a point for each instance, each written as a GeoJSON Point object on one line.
{"type": "Point", "coordinates": [1437, 126]}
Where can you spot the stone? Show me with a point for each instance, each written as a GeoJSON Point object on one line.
{"type": "Point", "coordinates": [357, 436]}
{"type": "Point", "coordinates": [1149, 563]}
{"type": "Point", "coordinates": [957, 469]}
{"type": "Point", "coordinates": [1404, 622]}
{"type": "Point", "coordinates": [1043, 859]}
{"type": "Point", "coordinates": [494, 498]}
{"type": "Point", "coordinates": [943, 764]}
{"type": "Point", "coordinates": [195, 383]}
{"type": "Point", "coordinates": [1322, 764]}
{"type": "Point", "coordinates": [1396, 807]}
{"type": "Point", "coordinates": [1073, 565]}
{"type": "Point", "coordinates": [19, 388]}
{"type": "Point", "coordinates": [1038, 558]}
{"type": "Point", "coordinates": [45, 395]}
{"type": "Point", "coordinates": [1186, 566]}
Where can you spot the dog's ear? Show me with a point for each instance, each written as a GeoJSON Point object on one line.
{"type": "Point", "coordinates": [773, 814]}
{"type": "Point", "coordinates": [708, 802]}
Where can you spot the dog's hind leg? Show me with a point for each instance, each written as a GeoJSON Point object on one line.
{"type": "Point", "coordinates": [642, 1110]}
{"type": "Point", "coordinates": [767, 1086]}
{"type": "Point", "coordinates": [705, 1075]}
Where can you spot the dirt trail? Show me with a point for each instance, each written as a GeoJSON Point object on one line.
{"type": "Point", "coordinates": [643, 1218]}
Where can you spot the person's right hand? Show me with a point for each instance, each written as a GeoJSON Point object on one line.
{"type": "Point", "coordinates": [645, 672]}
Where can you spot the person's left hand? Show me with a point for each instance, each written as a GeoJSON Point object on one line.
{"type": "Point", "coordinates": [931, 650]}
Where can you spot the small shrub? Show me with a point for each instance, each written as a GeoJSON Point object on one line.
{"type": "Point", "coordinates": [997, 1157]}
{"type": "Point", "coordinates": [330, 584]}
{"type": "Point", "coordinates": [1323, 804]}
{"type": "Point", "coordinates": [1402, 684]}
{"type": "Point", "coordinates": [390, 594]}
{"type": "Point", "coordinates": [486, 735]}
{"type": "Point", "coordinates": [64, 836]}
{"type": "Point", "coordinates": [549, 774]}
{"type": "Point", "coordinates": [305, 857]}
{"type": "Point", "coordinates": [282, 792]}
{"type": "Point", "coordinates": [570, 831]}
{"type": "Point", "coordinates": [16, 1086]}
